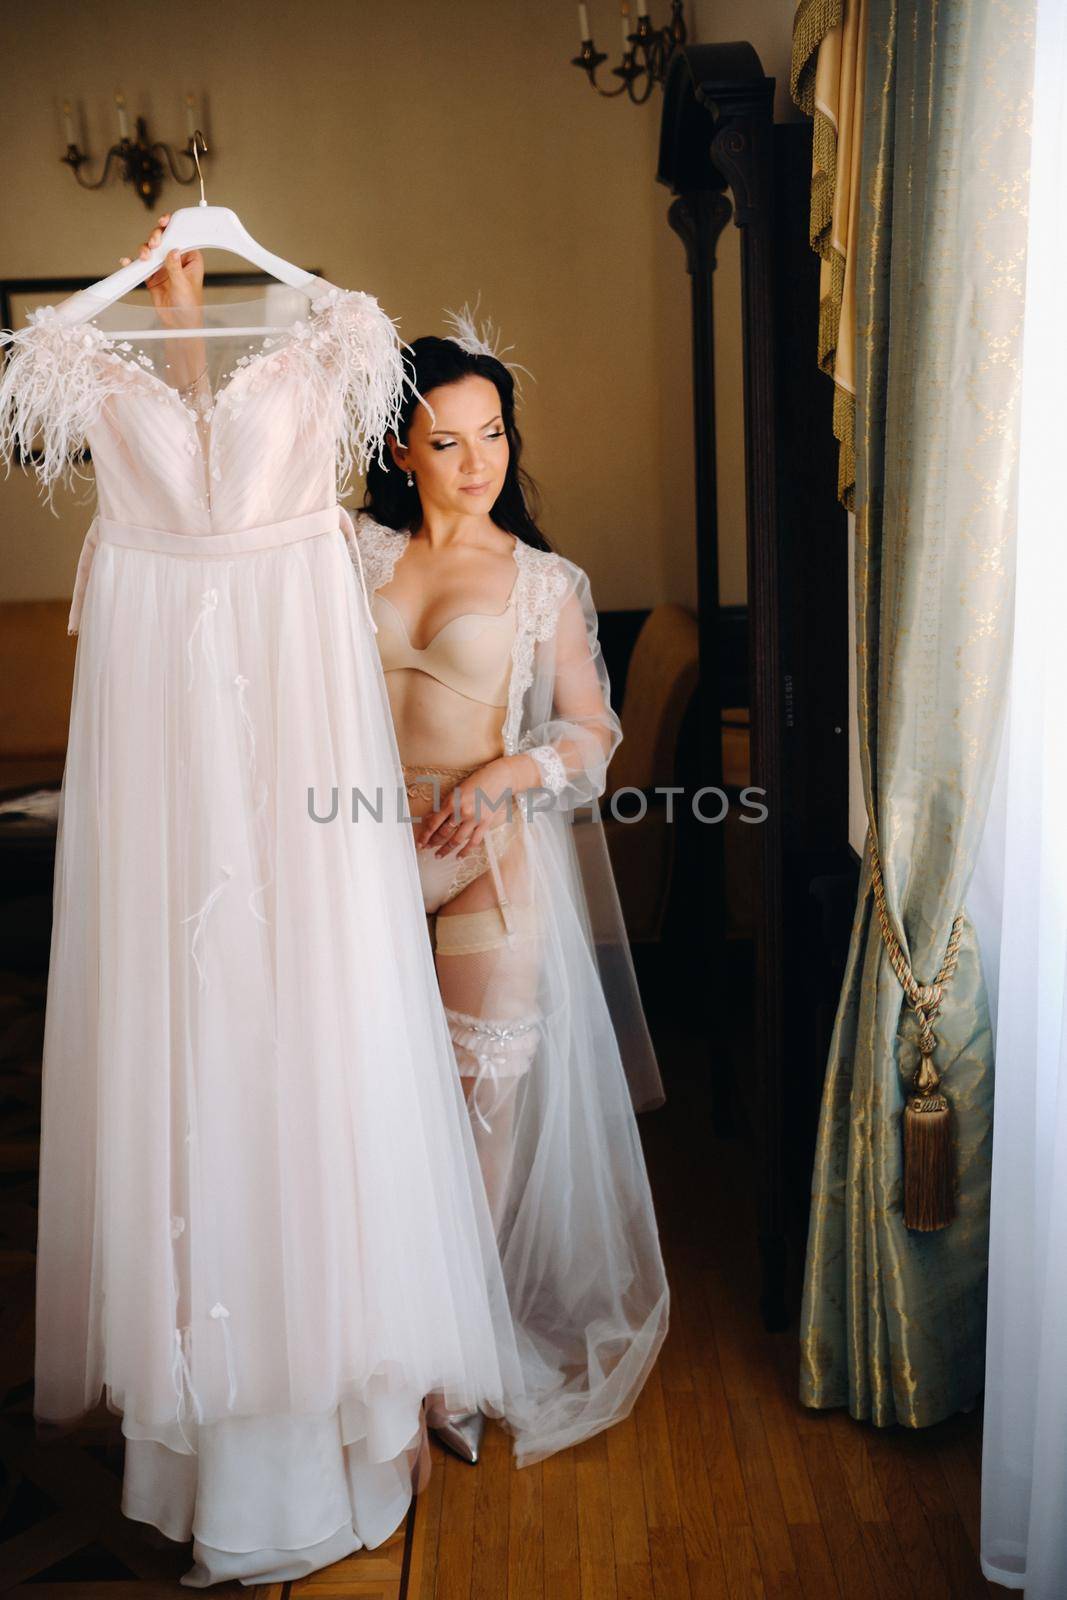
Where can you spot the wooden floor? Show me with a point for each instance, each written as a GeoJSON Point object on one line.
{"type": "Point", "coordinates": [718, 1485]}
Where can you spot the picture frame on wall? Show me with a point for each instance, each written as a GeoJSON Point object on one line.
{"type": "Point", "coordinates": [20, 296]}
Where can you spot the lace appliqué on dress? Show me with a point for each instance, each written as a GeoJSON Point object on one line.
{"type": "Point", "coordinates": [351, 355]}
{"type": "Point", "coordinates": [59, 374]}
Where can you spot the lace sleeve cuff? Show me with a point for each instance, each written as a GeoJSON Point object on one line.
{"type": "Point", "coordinates": [550, 765]}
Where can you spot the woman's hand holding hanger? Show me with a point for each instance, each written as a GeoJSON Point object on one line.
{"type": "Point", "coordinates": [178, 285]}
{"type": "Point", "coordinates": [177, 290]}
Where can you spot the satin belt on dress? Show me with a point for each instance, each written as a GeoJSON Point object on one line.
{"type": "Point", "coordinates": [242, 541]}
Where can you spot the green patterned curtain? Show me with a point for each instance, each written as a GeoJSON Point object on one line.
{"type": "Point", "coordinates": [826, 81]}
{"type": "Point", "coordinates": [893, 1320]}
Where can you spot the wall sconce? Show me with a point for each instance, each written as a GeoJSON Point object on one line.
{"type": "Point", "coordinates": [645, 51]}
{"type": "Point", "coordinates": [140, 163]}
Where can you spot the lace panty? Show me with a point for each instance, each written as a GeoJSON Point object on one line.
{"type": "Point", "coordinates": [443, 877]}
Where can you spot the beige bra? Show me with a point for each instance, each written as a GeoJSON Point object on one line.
{"type": "Point", "coordinates": [471, 653]}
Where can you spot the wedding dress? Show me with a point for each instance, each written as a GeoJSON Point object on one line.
{"type": "Point", "coordinates": [263, 1232]}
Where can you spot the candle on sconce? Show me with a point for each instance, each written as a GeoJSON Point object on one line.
{"type": "Point", "coordinates": [120, 106]}
{"type": "Point", "coordinates": [190, 115]}
{"type": "Point", "coordinates": [626, 45]}
{"type": "Point", "coordinates": [583, 23]}
{"type": "Point", "coordinates": [68, 123]}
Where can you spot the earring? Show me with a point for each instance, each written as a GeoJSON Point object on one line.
{"type": "Point", "coordinates": [411, 481]}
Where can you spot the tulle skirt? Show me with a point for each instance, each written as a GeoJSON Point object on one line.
{"type": "Point", "coordinates": [263, 1231]}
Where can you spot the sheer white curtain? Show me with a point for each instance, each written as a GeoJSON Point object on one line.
{"type": "Point", "coordinates": [1019, 901]}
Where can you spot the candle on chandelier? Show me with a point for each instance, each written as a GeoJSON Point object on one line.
{"type": "Point", "coordinates": [68, 122]}
{"type": "Point", "coordinates": [120, 106]}
{"type": "Point", "coordinates": [583, 23]}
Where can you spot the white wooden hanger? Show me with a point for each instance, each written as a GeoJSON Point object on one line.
{"type": "Point", "coordinates": [199, 227]}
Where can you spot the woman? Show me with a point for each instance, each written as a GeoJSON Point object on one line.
{"type": "Point", "coordinates": [501, 707]}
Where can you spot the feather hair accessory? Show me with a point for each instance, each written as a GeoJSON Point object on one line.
{"type": "Point", "coordinates": [485, 342]}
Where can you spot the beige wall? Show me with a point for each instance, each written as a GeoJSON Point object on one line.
{"type": "Point", "coordinates": [423, 152]}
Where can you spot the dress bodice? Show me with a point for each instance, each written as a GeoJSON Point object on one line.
{"type": "Point", "coordinates": [304, 408]}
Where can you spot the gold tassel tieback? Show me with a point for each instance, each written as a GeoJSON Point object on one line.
{"type": "Point", "coordinates": [929, 1175]}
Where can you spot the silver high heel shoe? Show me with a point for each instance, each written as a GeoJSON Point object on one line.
{"type": "Point", "coordinates": [459, 1431]}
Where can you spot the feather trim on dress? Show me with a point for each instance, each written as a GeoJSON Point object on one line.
{"type": "Point", "coordinates": [54, 381]}
{"type": "Point", "coordinates": [368, 358]}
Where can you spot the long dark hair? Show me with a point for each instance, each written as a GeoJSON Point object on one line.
{"type": "Point", "coordinates": [431, 363]}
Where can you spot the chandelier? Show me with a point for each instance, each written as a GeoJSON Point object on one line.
{"type": "Point", "coordinates": [138, 158]}
{"type": "Point", "coordinates": [645, 51]}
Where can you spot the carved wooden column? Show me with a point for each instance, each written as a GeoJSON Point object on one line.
{"type": "Point", "coordinates": [699, 218]}
{"type": "Point", "coordinates": [716, 137]}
